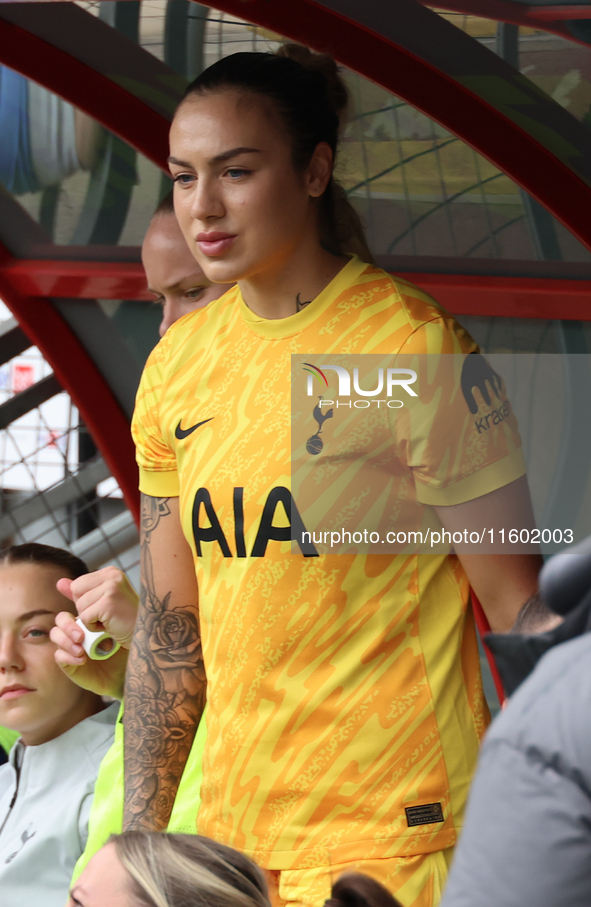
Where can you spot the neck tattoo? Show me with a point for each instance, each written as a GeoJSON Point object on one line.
{"type": "Point", "coordinates": [301, 305]}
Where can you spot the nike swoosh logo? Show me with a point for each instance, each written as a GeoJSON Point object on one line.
{"type": "Point", "coordinates": [181, 433]}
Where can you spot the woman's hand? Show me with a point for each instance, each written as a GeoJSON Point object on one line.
{"type": "Point", "coordinates": [105, 600]}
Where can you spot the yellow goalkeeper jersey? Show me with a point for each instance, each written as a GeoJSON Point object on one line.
{"type": "Point", "coordinates": [344, 704]}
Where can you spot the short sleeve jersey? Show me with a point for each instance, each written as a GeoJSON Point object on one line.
{"type": "Point", "coordinates": [345, 705]}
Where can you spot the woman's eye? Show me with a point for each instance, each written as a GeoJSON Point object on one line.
{"type": "Point", "coordinates": [236, 172]}
{"type": "Point", "coordinates": [196, 293]}
{"type": "Point", "coordinates": [183, 179]}
{"type": "Point", "coordinates": [37, 633]}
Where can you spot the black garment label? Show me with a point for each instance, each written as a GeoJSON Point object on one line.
{"type": "Point", "coordinates": [426, 814]}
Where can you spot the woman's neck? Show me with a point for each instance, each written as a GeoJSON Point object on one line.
{"type": "Point", "coordinates": [292, 285]}
{"type": "Point", "coordinates": [87, 705]}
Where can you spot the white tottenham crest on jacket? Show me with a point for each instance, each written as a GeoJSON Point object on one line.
{"type": "Point", "coordinates": [45, 797]}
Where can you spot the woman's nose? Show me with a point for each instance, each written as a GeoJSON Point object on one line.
{"type": "Point", "coordinates": [207, 201]}
{"type": "Point", "coordinates": [10, 658]}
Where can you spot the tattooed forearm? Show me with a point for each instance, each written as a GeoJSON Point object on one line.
{"type": "Point", "coordinates": [165, 690]}
{"type": "Point", "coordinates": [301, 305]}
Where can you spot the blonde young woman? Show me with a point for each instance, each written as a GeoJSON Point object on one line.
{"type": "Point", "coordinates": [139, 869]}
{"type": "Point", "coordinates": [344, 699]}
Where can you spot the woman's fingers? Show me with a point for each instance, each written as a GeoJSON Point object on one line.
{"type": "Point", "coordinates": [106, 600]}
{"type": "Point", "coordinates": [102, 677]}
{"type": "Point", "coordinates": [68, 636]}
{"type": "Point", "coordinates": [65, 660]}
{"type": "Point", "coordinates": [64, 586]}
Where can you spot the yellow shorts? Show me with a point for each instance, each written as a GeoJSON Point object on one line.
{"type": "Point", "coordinates": [416, 881]}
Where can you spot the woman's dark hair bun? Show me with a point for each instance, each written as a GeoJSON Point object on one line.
{"type": "Point", "coordinates": [357, 890]}
{"type": "Point", "coordinates": [325, 66]}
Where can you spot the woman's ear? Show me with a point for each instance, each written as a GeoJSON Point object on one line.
{"type": "Point", "coordinates": [319, 170]}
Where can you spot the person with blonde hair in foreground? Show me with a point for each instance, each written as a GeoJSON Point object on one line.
{"type": "Point", "coordinates": [146, 869]}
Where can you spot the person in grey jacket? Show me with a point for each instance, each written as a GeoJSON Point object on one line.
{"type": "Point", "coordinates": [47, 785]}
{"type": "Point", "coordinates": [526, 841]}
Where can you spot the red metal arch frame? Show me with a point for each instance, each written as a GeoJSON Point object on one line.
{"type": "Point", "coordinates": [445, 97]}
{"type": "Point", "coordinates": [91, 91]}
{"type": "Point", "coordinates": [503, 296]}
{"type": "Point", "coordinates": [77, 374]}
{"type": "Point", "coordinates": [399, 66]}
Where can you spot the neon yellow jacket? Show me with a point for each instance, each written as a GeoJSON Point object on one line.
{"type": "Point", "coordinates": [106, 814]}
{"type": "Point", "coordinates": [8, 738]}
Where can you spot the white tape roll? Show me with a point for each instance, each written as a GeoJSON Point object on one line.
{"type": "Point", "coordinates": [93, 643]}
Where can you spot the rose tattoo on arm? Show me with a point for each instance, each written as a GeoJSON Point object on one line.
{"type": "Point", "coordinates": [164, 693]}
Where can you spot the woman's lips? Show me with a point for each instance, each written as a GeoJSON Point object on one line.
{"type": "Point", "coordinates": [214, 243]}
{"type": "Point", "coordinates": [14, 692]}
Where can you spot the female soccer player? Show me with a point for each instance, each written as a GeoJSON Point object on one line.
{"type": "Point", "coordinates": [64, 731]}
{"type": "Point", "coordinates": [344, 698]}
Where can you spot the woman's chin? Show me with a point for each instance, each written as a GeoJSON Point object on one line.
{"type": "Point", "coordinates": [221, 270]}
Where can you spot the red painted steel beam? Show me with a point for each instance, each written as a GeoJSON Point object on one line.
{"type": "Point", "coordinates": [560, 13]}
{"type": "Point", "coordinates": [443, 98]}
{"type": "Point", "coordinates": [461, 294]}
{"type": "Point", "coordinates": [396, 69]}
{"type": "Point", "coordinates": [79, 376]}
{"type": "Point", "coordinates": [508, 297]}
{"type": "Point", "coordinates": [90, 91]}
{"type": "Point", "coordinates": [77, 279]}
